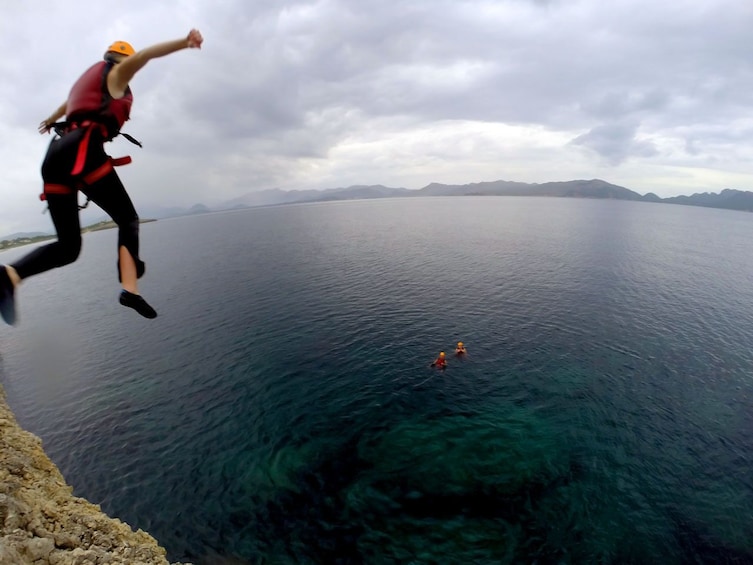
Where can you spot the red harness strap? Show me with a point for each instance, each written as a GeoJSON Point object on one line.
{"type": "Point", "coordinates": [98, 173]}
{"type": "Point", "coordinates": [105, 169]}
{"type": "Point", "coordinates": [50, 188]}
{"type": "Point", "coordinates": [78, 165]}
{"type": "Point", "coordinates": [83, 146]}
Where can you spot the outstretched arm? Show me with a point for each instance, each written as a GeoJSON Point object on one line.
{"type": "Point", "coordinates": [122, 73]}
{"type": "Point", "coordinates": [45, 126]}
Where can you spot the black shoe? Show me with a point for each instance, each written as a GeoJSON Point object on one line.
{"type": "Point", "coordinates": [7, 302]}
{"type": "Point", "coordinates": [137, 303]}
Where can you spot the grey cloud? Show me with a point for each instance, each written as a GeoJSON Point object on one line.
{"type": "Point", "coordinates": [445, 60]}
{"type": "Point", "coordinates": [691, 147]}
{"type": "Point", "coordinates": [719, 139]}
{"type": "Point", "coordinates": [621, 104]}
{"type": "Point", "coordinates": [616, 142]}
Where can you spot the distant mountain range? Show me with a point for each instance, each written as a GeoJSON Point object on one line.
{"type": "Point", "coordinates": [729, 199]}
{"type": "Point", "coordinates": [595, 188]}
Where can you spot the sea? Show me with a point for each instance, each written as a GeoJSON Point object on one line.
{"type": "Point", "coordinates": [282, 408]}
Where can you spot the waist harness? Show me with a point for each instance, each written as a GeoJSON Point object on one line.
{"type": "Point", "coordinates": [61, 129]}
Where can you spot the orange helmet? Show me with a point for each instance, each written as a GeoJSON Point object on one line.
{"type": "Point", "coordinates": [441, 353]}
{"type": "Point", "coordinates": [121, 47]}
{"type": "Point", "coordinates": [460, 344]}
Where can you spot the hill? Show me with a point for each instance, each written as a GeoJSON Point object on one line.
{"type": "Point", "coordinates": [728, 199]}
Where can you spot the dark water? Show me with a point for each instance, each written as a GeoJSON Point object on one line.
{"type": "Point", "coordinates": [281, 409]}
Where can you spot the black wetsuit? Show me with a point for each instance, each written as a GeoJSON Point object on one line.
{"type": "Point", "coordinates": [107, 192]}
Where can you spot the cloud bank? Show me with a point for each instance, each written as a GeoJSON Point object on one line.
{"type": "Point", "coordinates": [318, 94]}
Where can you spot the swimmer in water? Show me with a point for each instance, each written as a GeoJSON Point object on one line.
{"type": "Point", "coordinates": [440, 362]}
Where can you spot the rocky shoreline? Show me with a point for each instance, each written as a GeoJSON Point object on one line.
{"type": "Point", "coordinates": [42, 523]}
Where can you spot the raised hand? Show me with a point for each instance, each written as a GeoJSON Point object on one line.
{"type": "Point", "coordinates": [194, 39]}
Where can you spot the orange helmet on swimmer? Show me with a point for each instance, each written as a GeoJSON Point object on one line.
{"type": "Point", "coordinates": [441, 353]}
{"type": "Point", "coordinates": [122, 47]}
{"type": "Point", "coordinates": [460, 344]}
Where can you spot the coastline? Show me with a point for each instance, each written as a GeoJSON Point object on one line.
{"type": "Point", "coordinates": [6, 244]}
{"type": "Point", "coordinates": [42, 522]}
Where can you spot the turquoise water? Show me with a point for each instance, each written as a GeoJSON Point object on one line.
{"type": "Point", "coordinates": [281, 408]}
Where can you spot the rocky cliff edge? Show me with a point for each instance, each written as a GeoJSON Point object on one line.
{"type": "Point", "coordinates": [42, 523]}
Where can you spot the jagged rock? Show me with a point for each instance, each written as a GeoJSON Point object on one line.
{"type": "Point", "coordinates": [9, 554]}
{"type": "Point", "coordinates": [38, 548]}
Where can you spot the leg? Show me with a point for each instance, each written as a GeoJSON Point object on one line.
{"type": "Point", "coordinates": [7, 300]}
{"type": "Point", "coordinates": [56, 169]}
{"type": "Point", "coordinates": [64, 212]}
{"type": "Point", "coordinates": [110, 195]}
{"type": "Point", "coordinates": [127, 270]}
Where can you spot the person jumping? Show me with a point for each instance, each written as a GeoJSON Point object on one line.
{"type": "Point", "coordinates": [98, 105]}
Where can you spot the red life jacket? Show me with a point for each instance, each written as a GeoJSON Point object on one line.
{"type": "Point", "coordinates": [90, 106]}
{"type": "Point", "coordinates": [90, 99]}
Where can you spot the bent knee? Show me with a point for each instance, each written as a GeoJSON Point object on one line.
{"type": "Point", "coordinates": [69, 251]}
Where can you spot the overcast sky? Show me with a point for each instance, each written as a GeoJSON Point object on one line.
{"type": "Point", "coordinates": [655, 96]}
